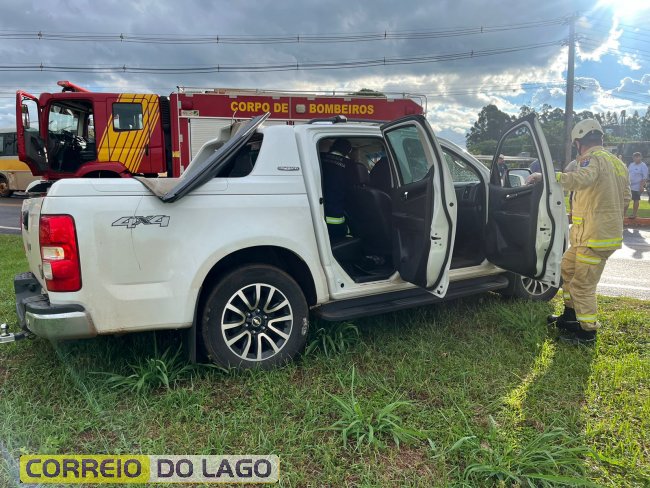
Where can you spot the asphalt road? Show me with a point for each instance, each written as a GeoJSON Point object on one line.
{"type": "Point", "coordinates": [10, 214]}
{"type": "Point", "coordinates": [627, 272]}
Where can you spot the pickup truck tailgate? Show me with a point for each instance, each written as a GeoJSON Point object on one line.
{"type": "Point", "coordinates": [31, 213]}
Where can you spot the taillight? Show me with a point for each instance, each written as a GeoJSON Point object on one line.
{"type": "Point", "coordinates": [60, 253]}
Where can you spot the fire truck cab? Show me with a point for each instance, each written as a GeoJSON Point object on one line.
{"type": "Point", "coordinates": [80, 133]}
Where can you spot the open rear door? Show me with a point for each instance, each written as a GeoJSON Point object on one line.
{"type": "Point", "coordinates": [423, 204]}
{"type": "Point", "coordinates": [526, 224]}
{"type": "Point", "coordinates": [31, 148]}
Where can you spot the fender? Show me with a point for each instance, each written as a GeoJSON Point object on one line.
{"type": "Point", "coordinates": [111, 166]}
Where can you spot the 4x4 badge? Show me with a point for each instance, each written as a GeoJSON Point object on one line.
{"type": "Point", "coordinates": [131, 222]}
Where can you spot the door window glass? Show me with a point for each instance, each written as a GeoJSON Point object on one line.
{"type": "Point", "coordinates": [127, 116]}
{"type": "Point", "coordinates": [460, 170]}
{"type": "Point", "coordinates": [519, 152]}
{"type": "Point", "coordinates": [408, 149]}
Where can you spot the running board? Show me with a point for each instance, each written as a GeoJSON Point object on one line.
{"type": "Point", "coordinates": [416, 297]}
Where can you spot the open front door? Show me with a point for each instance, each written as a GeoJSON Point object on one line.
{"type": "Point", "coordinates": [526, 224]}
{"type": "Point", "coordinates": [31, 148]}
{"type": "Point", "coordinates": [423, 204]}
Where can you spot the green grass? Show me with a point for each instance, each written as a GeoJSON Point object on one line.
{"type": "Point", "coordinates": [490, 398]}
{"type": "Point", "coordinates": [644, 207]}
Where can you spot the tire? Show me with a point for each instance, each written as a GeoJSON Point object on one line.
{"type": "Point", "coordinates": [252, 301]}
{"type": "Point", "coordinates": [528, 289]}
{"type": "Point", "coordinates": [5, 192]}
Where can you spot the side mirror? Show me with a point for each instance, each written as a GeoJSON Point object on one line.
{"type": "Point", "coordinates": [25, 111]}
{"type": "Point", "coordinates": [515, 180]}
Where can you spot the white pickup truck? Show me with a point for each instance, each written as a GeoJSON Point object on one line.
{"type": "Point", "coordinates": [238, 249]}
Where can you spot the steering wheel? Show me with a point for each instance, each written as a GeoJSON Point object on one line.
{"type": "Point", "coordinates": [77, 143]}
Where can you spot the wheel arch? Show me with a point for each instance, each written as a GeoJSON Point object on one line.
{"type": "Point", "coordinates": [280, 257]}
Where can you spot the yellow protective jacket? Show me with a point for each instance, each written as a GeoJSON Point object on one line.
{"type": "Point", "coordinates": [601, 189]}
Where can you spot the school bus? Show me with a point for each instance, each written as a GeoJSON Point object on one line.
{"type": "Point", "coordinates": [14, 174]}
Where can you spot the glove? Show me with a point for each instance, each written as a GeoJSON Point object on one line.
{"type": "Point", "coordinates": [534, 178]}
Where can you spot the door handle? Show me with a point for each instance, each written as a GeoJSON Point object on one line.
{"type": "Point", "coordinates": [510, 196]}
{"type": "Point", "coordinates": [405, 196]}
{"type": "Point", "coordinates": [146, 150]}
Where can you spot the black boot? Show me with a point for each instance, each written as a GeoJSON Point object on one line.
{"type": "Point", "coordinates": [569, 315]}
{"type": "Point", "coordinates": [580, 336]}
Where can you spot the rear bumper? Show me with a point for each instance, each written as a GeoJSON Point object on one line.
{"type": "Point", "coordinates": [37, 315]}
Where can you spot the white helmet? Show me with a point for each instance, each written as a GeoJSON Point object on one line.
{"type": "Point", "coordinates": [584, 127]}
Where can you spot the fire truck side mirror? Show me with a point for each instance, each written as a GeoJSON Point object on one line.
{"type": "Point", "coordinates": [25, 111]}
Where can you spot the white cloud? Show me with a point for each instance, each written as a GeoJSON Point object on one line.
{"type": "Point", "coordinates": [631, 61]}
{"type": "Point", "coordinates": [610, 44]}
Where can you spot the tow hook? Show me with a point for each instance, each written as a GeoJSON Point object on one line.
{"type": "Point", "coordinates": [7, 337]}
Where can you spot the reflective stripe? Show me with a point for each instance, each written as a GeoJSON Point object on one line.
{"type": "Point", "coordinates": [605, 243]}
{"type": "Point", "coordinates": [566, 295]}
{"type": "Point", "coordinates": [558, 176]}
{"type": "Point", "coordinates": [583, 258]}
{"type": "Point", "coordinates": [619, 166]}
{"type": "Point", "coordinates": [577, 220]}
{"type": "Point", "coordinates": [586, 318]}
{"type": "Point", "coordinates": [335, 220]}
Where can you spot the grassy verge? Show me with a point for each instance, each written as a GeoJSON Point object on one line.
{"type": "Point", "coordinates": [470, 393]}
{"type": "Point", "coordinates": [644, 207]}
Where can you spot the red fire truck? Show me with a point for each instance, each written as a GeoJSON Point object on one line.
{"type": "Point", "coordinates": [78, 133]}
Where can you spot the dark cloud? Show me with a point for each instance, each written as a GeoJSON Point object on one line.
{"type": "Point", "coordinates": [466, 84]}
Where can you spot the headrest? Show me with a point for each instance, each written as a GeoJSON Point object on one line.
{"type": "Point", "coordinates": [380, 175]}
{"type": "Point", "coordinates": [341, 145]}
{"type": "Point", "coordinates": [357, 174]}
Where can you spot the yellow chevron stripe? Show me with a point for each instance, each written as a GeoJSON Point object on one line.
{"type": "Point", "coordinates": [133, 137]}
{"type": "Point", "coordinates": [149, 119]}
{"type": "Point", "coordinates": [124, 138]}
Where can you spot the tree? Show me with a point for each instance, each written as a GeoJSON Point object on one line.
{"type": "Point", "coordinates": [484, 147]}
{"type": "Point", "coordinates": [489, 126]}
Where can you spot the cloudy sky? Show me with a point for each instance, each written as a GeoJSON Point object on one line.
{"type": "Point", "coordinates": [517, 52]}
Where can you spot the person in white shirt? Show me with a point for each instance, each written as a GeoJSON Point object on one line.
{"type": "Point", "coordinates": [638, 171]}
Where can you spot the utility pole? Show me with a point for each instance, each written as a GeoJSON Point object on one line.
{"type": "Point", "coordinates": [568, 110]}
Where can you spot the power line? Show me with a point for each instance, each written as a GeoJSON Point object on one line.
{"type": "Point", "coordinates": [259, 68]}
{"type": "Point", "coordinates": [272, 39]}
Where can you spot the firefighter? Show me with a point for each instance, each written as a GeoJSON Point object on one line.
{"type": "Point", "coordinates": [334, 163]}
{"type": "Point", "coordinates": [601, 194]}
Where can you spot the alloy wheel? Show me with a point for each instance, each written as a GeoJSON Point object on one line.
{"type": "Point", "coordinates": [256, 322]}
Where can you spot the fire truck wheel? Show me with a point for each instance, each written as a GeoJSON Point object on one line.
{"type": "Point", "coordinates": [5, 192]}
{"type": "Point", "coordinates": [255, 317]}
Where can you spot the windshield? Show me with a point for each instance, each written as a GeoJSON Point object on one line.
{"type": "Point", "coordinates": [62, 120]}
